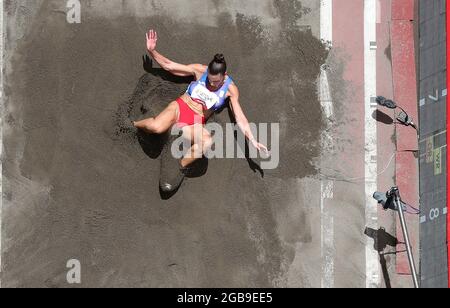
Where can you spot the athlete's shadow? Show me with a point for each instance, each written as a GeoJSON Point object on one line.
{"type": "Point", "coordinates": [251, 163]}
{"type": "Point", "coordinates": [153, 92]}
{"type": "Point", "coordinates": [164, 88]}
{"type": "Point", "coordinates": [147, 64]}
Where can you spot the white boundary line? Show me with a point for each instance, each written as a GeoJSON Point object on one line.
{"type": "Point", "coordinates": [326, 187]}
{"type": "Point", "coordinates": [327, 236]}
{"type": "Point", "coordinates": [370, 88]}
{"type": "Point", "coordinates": [326, 21]}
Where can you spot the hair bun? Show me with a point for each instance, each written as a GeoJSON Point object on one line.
{"type": "Point", "coordinates": [219, 58]}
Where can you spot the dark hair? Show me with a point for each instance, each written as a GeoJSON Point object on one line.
{"type": "Point", "coordinates": [218, 65]}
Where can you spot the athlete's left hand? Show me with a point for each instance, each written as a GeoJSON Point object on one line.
{"type": "Point", "coordinates": [261, 147]}
{"type": "Point", "coordinates": [152, 39]}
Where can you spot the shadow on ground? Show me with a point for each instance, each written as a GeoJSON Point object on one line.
{"type": "Point", "coordinates": [382, 240]}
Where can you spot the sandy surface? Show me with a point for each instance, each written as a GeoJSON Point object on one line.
{"type": "Point", "coordinates": [80, 186]}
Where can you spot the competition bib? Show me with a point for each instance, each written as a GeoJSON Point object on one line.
{"type": "Point", "coordinates": [209, 99]}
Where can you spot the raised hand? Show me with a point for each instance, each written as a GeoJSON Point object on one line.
{"type": "Point", "coordinates": [152, 38]}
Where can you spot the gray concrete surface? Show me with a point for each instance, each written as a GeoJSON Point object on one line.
{"type": "Point", "coordinates": [78, 185]}
{"type": "Point", "coordinates": [433, 166]}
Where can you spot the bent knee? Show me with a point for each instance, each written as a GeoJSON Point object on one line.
{"type": "Point", "coordinates": [207, 142]}
{"type": "Point", "coordinates": [154, 127]}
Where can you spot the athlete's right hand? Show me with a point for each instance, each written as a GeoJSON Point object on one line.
{"type": "Point", "coordinates": [152, 38]}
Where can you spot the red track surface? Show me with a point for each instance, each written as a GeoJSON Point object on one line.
{"type": "Point", "coordinates": [405, 94]}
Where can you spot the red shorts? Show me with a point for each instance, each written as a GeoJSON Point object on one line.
{"type": "Point", "coordinates": [188, 116]}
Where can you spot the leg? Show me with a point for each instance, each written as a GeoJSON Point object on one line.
{"type": "Point", "coordinates": [162, 123]}
{"type": "Point", "coordinates": [201, 141]}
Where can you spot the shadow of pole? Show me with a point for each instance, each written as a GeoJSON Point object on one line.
{"type": "Point", "coordinates": [382, 240]}
{"type": "Point", "coordinates": [385, 271]}
{"type": "Point", "coordinates": [380, 116]}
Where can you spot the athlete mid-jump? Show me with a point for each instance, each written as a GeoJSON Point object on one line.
{"type": "Point", "coordinates": [209, 93]}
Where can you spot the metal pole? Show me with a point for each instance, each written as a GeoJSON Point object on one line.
{"type": "Point", "coordinates": [405, 236]}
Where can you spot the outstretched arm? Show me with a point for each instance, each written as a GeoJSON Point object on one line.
{"type": "Point", "coordinates": [242, 121]}
{"type": "Point", "coordinates": [168, 65]}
